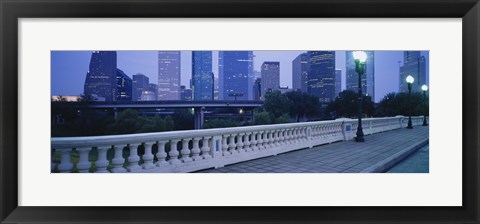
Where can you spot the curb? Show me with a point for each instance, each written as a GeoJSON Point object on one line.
{"type": "Point", "coordinates": [392, 160]}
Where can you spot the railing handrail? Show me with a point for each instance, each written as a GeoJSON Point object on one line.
{"type": "Point", "coordinates": [106, 140]}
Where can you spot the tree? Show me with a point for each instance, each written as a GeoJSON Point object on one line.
{"type": "Point", "coordinates": [285, 118]}
{"type": "Point", "coordinates": [346, 105]}
{"type": "Point", "coordinates": [261, 118]}
{"type": "Point", "coordinates": [220, 123]}
{"type": "Point", "coordinates": [277, 103]}
{"type": "Point", "coordinates": [183, 119]}
{"type": "Point", "coordinates": [394, 104]}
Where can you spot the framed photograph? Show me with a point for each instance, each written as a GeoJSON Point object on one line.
{"type": "Point", "coordinates": [247, 112]}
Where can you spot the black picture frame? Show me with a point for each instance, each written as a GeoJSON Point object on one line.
{"type": "Point", "coordinates": [12, 10]}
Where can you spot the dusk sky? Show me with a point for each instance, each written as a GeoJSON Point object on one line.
{"type": "Point", "coordinates": [69, 68]}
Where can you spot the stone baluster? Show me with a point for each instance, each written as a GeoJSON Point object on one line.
{"type": "Point", "coordinates": [205, 148]}
{"type": "Point", "coordinates": [174, 152]}
{"type": "Point", "coordinates": [102, 162]}
{"type": "Point", "coordinates": [148, 156]}
{"type": "Point", "coordinates": [253, 141]}
{"type": "Point", "coordinates": [315, 135]}
{"type": "Point", "coordinates": [260, 140]}
{"type": "Point", "coordinates": [324, 132]}
{"type": "Point", "coordinates": [288, 137]}
{"type": "Point", "coordinates": [118, 160]}
{"type": "Point", "coordinates": [231, 144]}
{"type": "Point", "coordinates": [271, 139]}
{"type": "Point", "coordinates": [247, 143]}
{"type": "Point", "coordinates": [266, 139]}
{"type": "Point", "coordinates": [83, 164]}
{"type": "Point", "coordinates": [224, 145]}
{"type": "Point", "coordinates": [185, 151]}
{"type": "Point", "coordinates": [296, 135]}
{"type": "Point", "coordinates": [133, 159]}
{"type": "Point", "coordinates": [66, 164]}
{"type": "Point", "coordinates": [239, 147]}
{"type": "Point", "coordinates": [161, 154]}
{"type": "Point", "coordinates": [276, 138]}
{"type": "Point", "coordinates": [282, 137]}
{"type": "Point", "coordinates": [196, 149]}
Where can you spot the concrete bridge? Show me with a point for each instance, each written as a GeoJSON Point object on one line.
{"type": "Point", "coordinates": [194, 150]}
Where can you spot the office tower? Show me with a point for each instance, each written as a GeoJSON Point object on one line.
{"type": "Point", "coordinates": [257, 89]}
{"type": "Point", "coordinates": [270, 76]}
{"type": "Point", "coordinates": [182, 92]}
{"type": "Point", "coordinates": [169, 75]}
{"type": "Point", "coordinates": [186, 94]}
{"type": "Point", "coordinates": [284, 89]}
{"type": "Point", "coordinates": [300, 73]}
{"type": "Point", "coordinates": [147, 96]}
{"type": "Point", "coordinates": [414, 64]}
{"type": "Point", "coordinates": [215, 88]}
{"type": "Point", "coordinates": [257, 74]}
{"type": "Point", "coordinates": [202, 75]}
{"type": "Point", "coordinates": [101, 78]}
{"type": "Point", "coordinates": [368, 78]}
{"type": "Point", "coordinates": [124, 87]}
{"type": "Point", "coordinates": [235, 75]}
{"type": "Point", "coordinates": [140, 83]}
{"type": "Point", "coordinates": [154, 89]}
{"type": "Point", "coordinates": [321, 75]}
{"type": "Point", "coordinates": [338, 81]}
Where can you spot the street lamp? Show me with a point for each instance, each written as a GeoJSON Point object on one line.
{"type": "Point", "coordinates": [360, 59]}
{"type": "Point", "coordinates": [424, 89]}
{"type": "Point", "coordinates": [410, 81]}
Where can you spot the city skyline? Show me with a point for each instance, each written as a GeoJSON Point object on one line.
{"type": "Point", "coordinates": [76, 63]}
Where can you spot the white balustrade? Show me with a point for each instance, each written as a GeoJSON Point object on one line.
{"type": "Point", "coordinates": [66, 164]}
{"type": "Point", "coordinates": [209, 147]}
{"type": "Point", "coordinates": [148, 156]}
{"type": "Point", "coordinates": [102, 162]}
{"type": "Point", "coordinates": [118, 160]}
{"type": "Point", "coordinates": [174, 152]}
{"type": "Point", "coordinates": [239, 147]}
{"type": "Point", "coordinates": [161, 154]}
{"type": "Point", "coordinates": [185, 151]}
{"type": "Point", "coordinates": [196, 149]}
{"type": "Point", "coordinates": [83, 164]}
{"type": "Point", "coordinates": [205, 148]}
{"type": "Point", "coordinates": [133, 159]}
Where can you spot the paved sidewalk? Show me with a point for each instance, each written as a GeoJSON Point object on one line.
{"type": "Point", "coordinates": [378, 150]}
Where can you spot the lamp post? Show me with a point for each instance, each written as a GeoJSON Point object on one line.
{"type": "Point", "coordinates": [360, 59]}
{"type": "Point", "coordinates": [424, 90]}
{"type": "Point", "coordinates": [410, 81]}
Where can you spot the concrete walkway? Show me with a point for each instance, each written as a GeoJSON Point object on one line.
{"type": "Point", "coordinates": [378, 153]}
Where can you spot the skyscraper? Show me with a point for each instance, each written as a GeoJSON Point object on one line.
{"type": "Point", "coordinates": [257, 89]}
{"type": "Point", "coordinates": [413, 64]}
{"type": "Point", "coordinates": [140, 83]}
{"type": "Point", "coordinates": [154, 89]}
{"type": "Point", "coordinates": [300, 73]}
{"type": "Point", "coordinates": [202, 75]}
{"type": "Point", "coordinates": [235, 75]}
{"type": "Point", "coordinates": [368, 79]}
{"type": "Point", "coordinates": [338, 81]}
{"type": "Point", "coordinates": [169, 75]}
{"type": "Point", "coordinates": [101, 78]}
{"type": "Point", "coordinates": [321, 75]}
{"type": "Point", "coordinates": [270, 76]}
{"type": "Point", "coordinates": [124, 87]}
